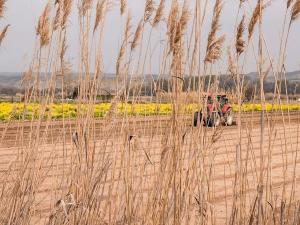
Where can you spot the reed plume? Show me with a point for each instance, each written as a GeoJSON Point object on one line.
{"type": "Point", "coordinates": [57, 17]}
{"type": "Point", "coordinates": [215, 50]}
{"type": "Point", "coordinates": [295, 12]}
{"type": "Point", "coordinates": [159, 13]}
{"type": "Point", "coordinates": [2, 7]}
{"type": "Point", "coordinates": [63, 49]}
{"type": "Point", "coordinates": [181, 26]}
{"type": "Point", "coordinates": [99, 13]}
{"type": "Point", "coordinates": [43, 27]}
{"type": "Point", "coordinates": [149, 8]}
{"type": "Point", "coordinates": [214, 44]}
{"type": "Point", "coordinates": [172, 23]}
{"type": "Point", "coordinates": [122, 6]}
{"type": "Point", "coordinates": [184, 17]}
{"type": "Point", "coordinates": [3, 33]}
{"type": "Point", "coordinates": [255, 17]}
{"type": "Point", "coordinates": [289, 3]}
{"type": "Point", "coordinates": [240, 43]}
{"type": "Point", "coordinates": [67, 6]}
{"type": "Point", "coordinates": [232, 68]}
{"type": "Point", "coordinates": [137, 35]}
{"type": "Point", "coordinates": [85, 5]}
{"type": "Point", "coordinates": [123, 46]}
{"type": "Point", "coordinates": [253, 20]}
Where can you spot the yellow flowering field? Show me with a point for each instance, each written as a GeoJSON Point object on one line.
{"type": "Point", "coordinates": [17, 111]}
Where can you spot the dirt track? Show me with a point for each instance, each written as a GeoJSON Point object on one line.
{"type": "Point", "coordinates": [14, 134]}
{"type": "Point", "coordinates": [148, 150]}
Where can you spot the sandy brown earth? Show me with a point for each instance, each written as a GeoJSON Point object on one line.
{"type": "Point", "coordinates": [140, 160]}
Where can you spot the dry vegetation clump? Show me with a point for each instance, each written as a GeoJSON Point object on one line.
{"type": "Point", "coordinates": [155, 169]}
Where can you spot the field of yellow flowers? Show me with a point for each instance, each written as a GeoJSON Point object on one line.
{"type": "Point", "coordinates": [18, 111]}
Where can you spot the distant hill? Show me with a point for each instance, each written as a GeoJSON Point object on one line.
{"type": "Point", "coordinates": [291, 76]}
{"type": "Point", "coordinates": [11, 79]}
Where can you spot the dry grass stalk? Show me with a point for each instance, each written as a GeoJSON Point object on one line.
{"type": "Point", "coordinates": [295, 11]}
{"type": "Point", "coordinates": [137, 35]}
{"type": "Point", "coordinates": [2, 7]}
{"type": "Point", "coordinates": [3, 33]}
{"type": "Point", "coordinates": [91, 203]}
{"type": "Point", "coordinates": [159, 13]}
{"type": "Point", "coordinates": [43, 27]}
{"type": "Point", "coordinates": [99, 13]}
{"type": "Point", "coordinates": [149, 8]}
{"type": "Point", "coordinates": [240, 43]}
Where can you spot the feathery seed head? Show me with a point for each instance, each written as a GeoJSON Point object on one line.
{"type": "Point", "coordinates": [255, 17]}
{"type": "Point", "coordinates": [99, 13]}
{"type": "Point", "coordinates": [3, 33]}
{"type": "Point", "coordinates": [214, 44]}
{"type": "Point", "coordinates": [215, 50]}
{"type": "Point", "coordinates": [137, 35]}
{"type": "Point", "coordinates": [240, 43]}
{"type": "Point", "coordinates": [289, 3]}
{"type": "Point", "coordinates": [149, 8]}
{"type": "Point", "coordinates": [43, 27]}
{"type": "Point", "coordinates": [159, 13]}
{"type": "Point", "coordinates": [85, 6]}
{"type": "Point", "coordinates": [2, 7]}
{"type": "Point", "coordinates": [67, 6]}
{"type": "Point", "coordinates": [295, 11]}
{"type": "Point", "coordinates": [122, 6]}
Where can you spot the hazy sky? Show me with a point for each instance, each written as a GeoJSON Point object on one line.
{"type": "Point", "coordinates": [16, 50]}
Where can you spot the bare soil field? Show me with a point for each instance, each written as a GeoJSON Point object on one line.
{"type": "Point", "coordinates": [134, 162]}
